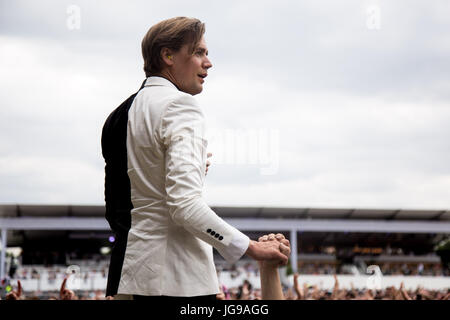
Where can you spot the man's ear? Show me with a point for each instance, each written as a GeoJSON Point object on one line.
{"type": "Point", "coordinates": [167, 56]}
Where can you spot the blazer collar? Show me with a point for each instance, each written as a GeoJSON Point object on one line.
{"type": "Point", "coordinates": [159, 81]}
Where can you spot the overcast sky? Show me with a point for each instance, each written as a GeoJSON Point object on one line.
{"type": "Point", "coordinates": [337, 104]}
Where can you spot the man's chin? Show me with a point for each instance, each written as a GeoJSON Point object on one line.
{"type": "Point", "coordinates": [196, 91]}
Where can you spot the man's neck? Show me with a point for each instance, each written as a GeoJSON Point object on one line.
{"type": "Point", "coordinates": [168, 76]}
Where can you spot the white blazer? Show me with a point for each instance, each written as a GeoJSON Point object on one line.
{"type": "Point", "coordinates": [169, 247]}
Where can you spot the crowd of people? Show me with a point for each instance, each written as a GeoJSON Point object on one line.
{"type": "Point", "coordinates": [414, 269]}
{"type": "Point", "coordinates": [63, 294]}
{"type": "Point", "coordinates": [313, 292]}
{"type": "Point", "coordinates": [306, 268]}
{"type": "Point", "coordinates": [387, 268]}
{"type": "Point", "coordinates": [329, 268]}
{"type": "Point", "coordinates": [269, 277]}
{"type": "Point", "coordinates": [53, 273]}
{"type": "Point", "coordinates": [247, 292]}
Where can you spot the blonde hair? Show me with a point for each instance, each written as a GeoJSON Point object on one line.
{"type": "Point", "coordinates": [172, 34]}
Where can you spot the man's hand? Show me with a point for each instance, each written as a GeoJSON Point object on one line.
{"type": "Point", "coordinates": [298, 289]}
{"type": "Point", "coordinates": [270, 250]}
{"type": "Point", "coordinates": [15, 295]}
{"type": "Point", "coordinates": [335, 293]}
{"type": "Point", "coordinates": [245, 293]}
{"type": "Point", "coordinates": [66, 294]}
{"type": "Point", "coordinates": [403, 292]}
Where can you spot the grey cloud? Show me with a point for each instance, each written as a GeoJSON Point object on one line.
{"type": "Point", "coordinates": [268, 57]}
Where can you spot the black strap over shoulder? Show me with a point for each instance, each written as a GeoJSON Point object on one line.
{"type": "Point", "coordinates": [117, 183]}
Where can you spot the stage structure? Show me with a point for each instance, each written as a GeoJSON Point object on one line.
{"type": "Point", "coordinates": [287, 220]}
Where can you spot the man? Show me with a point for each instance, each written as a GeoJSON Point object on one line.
{"type": "Point", "coordinates": [169, 244]}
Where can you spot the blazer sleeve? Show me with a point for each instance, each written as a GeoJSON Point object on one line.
{"type": "Point", "coordinates": [182, 133]}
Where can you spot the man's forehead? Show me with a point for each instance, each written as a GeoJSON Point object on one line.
{"type": "Point", "coordinates": [190, 49]}
{"type": "Point", "coordinates": [202, 45]}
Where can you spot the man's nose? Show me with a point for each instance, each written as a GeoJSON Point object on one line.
{"type": "Point", "coordinates": [207, 64]}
